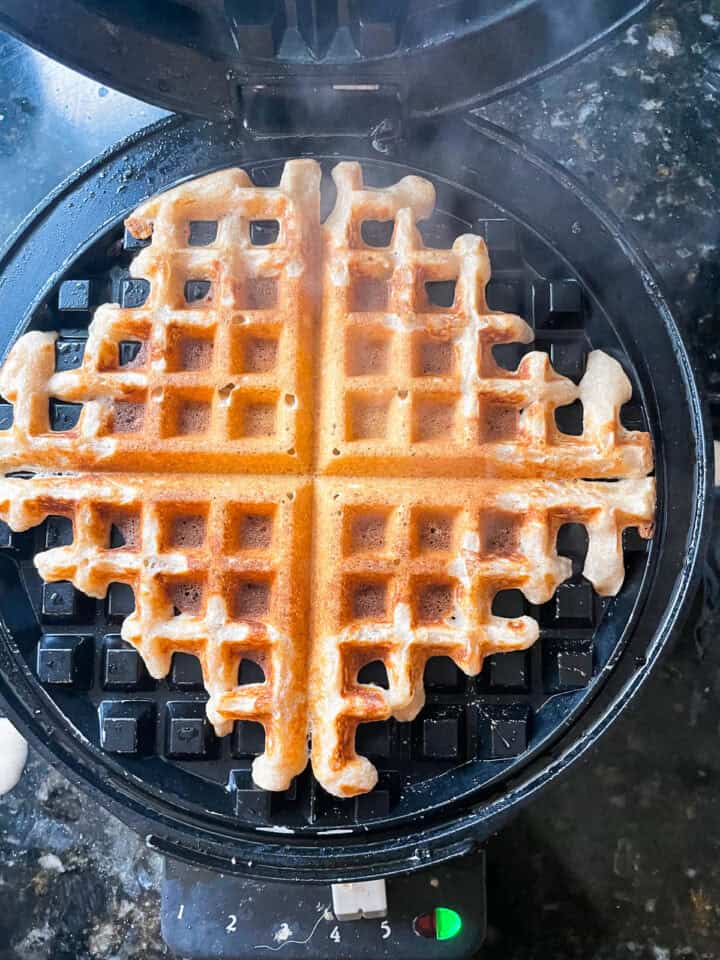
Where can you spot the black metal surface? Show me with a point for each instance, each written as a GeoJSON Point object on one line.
{"type": "Point", "coordinates": [179, 794]}
{"type": "Point", "coordinates": [207, 57]}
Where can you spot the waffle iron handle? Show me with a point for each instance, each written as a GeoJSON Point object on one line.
{"type": "Point", "coordinates": [436, 912]}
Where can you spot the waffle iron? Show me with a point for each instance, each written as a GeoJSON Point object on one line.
{"type": "Point", "coordinates": [253, 83]}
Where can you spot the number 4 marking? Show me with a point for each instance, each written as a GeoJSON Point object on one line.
{"type": "Point", "coordinates": [385, 929]}
{"type": "Point", "coordinates": [335, 934]}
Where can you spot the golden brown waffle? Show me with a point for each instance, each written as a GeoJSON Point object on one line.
{"type": "Point", "coordinates": [220, 383]}
{"type": "Point", "coordinates": [256, 521]}
{"type": "Point", "coordinates": [409, 571]}
{"type": "Point", "coordinates": [413, 389]}
{"type": "Point", "coordinates": [218, 570]}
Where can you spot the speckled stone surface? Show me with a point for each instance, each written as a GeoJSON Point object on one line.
{"type": "Point", "coordinates": [621, 858]}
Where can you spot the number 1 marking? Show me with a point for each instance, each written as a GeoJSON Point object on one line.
{"type": "Point", "coordinates": [181, 911]}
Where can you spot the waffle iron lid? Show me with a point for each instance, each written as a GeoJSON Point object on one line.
{"type": "Point", "coordinates": [211, 58]}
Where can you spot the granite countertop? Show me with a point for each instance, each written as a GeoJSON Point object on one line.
{"type": "Point", "coordinates": [621, 858]}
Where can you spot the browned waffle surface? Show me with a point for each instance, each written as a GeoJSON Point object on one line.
{"type": "Point", "coordinates": [222, 377]}
{"type": "Point", "coordinates": [413, 388]}
{"type": "Point", "coordinates": [311, 465]}
{"type": "Point", "coordinates": [218, 569]}
{"type": "Point", "coordinates": [409, 571]}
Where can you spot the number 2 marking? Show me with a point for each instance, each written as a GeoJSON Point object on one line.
{"type": "Point", "coordinates": [385, 929]}
{"type": "Point", "coordinates": [181, 911]}
{"type": "Point", "coordinates": [335, 934]}
{"type": "Point", "coordinates": [232, 926]}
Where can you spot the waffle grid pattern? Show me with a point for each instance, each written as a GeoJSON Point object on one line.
{"type": "Point", "coordinates": [212, 576]}
{"type": "Point", "coordinates": [411, 387]}
{"type": "Point", "coordinates": [217, 381]}
{"type": "Point", "coordinates": [394, 366]}
{"type": "Point", "coordinates": [416, 576]}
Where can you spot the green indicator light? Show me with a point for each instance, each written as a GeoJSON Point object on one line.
{"type": "Point", "coordinates": [448, 923]}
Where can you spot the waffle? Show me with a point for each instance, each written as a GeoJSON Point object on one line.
{"type": "Point", "coordinates": [412, 389]}
{"type": "Point", "coordinates": [217, 571]}
{"type": "Point", "coordinates": [218, 383]}
{"type": "Point", "coordinates": [411, 571]}
{"type": "Point", "coordinates": [281, 439]}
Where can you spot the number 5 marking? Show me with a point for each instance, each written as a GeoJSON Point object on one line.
{"type": "Point", "coordinates": [385, 929]}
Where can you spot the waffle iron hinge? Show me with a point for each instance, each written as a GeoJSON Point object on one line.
{"type": "Point", "coordinates": [282, 108]}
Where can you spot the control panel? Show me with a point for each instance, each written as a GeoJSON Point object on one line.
{"type": "Point", "coordinates": [436, 912]}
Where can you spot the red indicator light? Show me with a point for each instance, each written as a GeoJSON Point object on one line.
{"type": "Point", "coordinates": [425, 925]}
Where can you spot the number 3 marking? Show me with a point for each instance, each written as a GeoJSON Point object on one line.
{"type": "Point", "coordinates": [232, 926]}
{"type": "Point", "coordinates": [385, 929]}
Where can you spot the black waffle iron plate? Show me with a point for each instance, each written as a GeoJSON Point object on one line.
{"type": "Point", "coordinates": [482, 746]}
